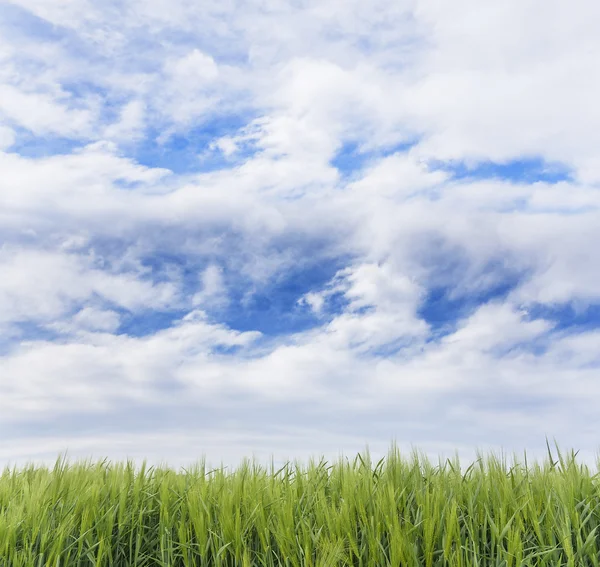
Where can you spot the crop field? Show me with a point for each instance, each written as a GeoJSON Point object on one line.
{"type": "Point", "coordinates": [397, 512]}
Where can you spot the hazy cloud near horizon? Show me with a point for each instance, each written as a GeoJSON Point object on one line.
{"type": "Point", "coordinates": [295, 229]}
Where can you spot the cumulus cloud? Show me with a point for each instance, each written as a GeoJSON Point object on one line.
{"type": "Point", "coordinates": [130, 123]}
{"type": "Point", "coordinates": [40, 286]}
{"type": "Point", "coordinates": [43, 114]}
{"type": "Point", "coordinates": [505, 81]}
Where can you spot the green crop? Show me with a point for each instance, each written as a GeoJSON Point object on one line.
{"type": "Point", "coordinates": [397, 513]}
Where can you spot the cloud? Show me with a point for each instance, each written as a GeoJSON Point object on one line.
{"type": "Point", "coordinates": [366, 223]}
{"type": "Point", "coordinates": [89, 319]}
{"type": "Point", "coordinates": [506, 81]}
{"type": "Point", "coordinates": [43, 114]}
{"type": "Point", "coordinates": [191, 87]}
{"type": "Point", "coordinates": [84, 180]}
{"type": "Point", "coordinates": [213, 288]}
{"type": "Point", "coordinates": [130, 124]}
{"type": "Point", "coordinates": [40, 286]}
{"type": "Point", "coordinates": [196, 69]}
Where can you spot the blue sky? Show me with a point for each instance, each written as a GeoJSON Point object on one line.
{"type": "Point", "coordinates": [297, 230]}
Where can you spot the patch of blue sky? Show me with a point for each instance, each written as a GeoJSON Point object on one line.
{"type": "Point", "coordinates": [272, 308]}
{"type": "Point", "coordinates": [84, 90]}
{"type": "Point", "coordinates": [522, 170]}
{"type": "Point", "coordinates": [388, 350]}
{"type": "Point", "coordinates": [182, 153]}
{"type": "Point", "coordinates": [352, 158]}
{"type": "Point", "coordinates": [31, 146]}
{"type": "Point", "coordinates": [275, 309]}
{"type": "Point", "coordinates": [148, 322]}
{"type": "Point", "coordinates": [226, 350]}
{"type": "Point", "coordinates": [536, 347]}
{"type": "Point", "coordinates": [26, 331]}
{"type": "Point", "coordinates": [164, 265]}
{"type": "Point", "coordinates": [450, 296]}
{"type": "Point", "coordinates": [566, 316]}
{"type": "Point", "coordinates": [443, 312]}
{"type": "Point", "coordinates": [190, 151]}
{"type": "Point", "coordinates": [33, 331]}
{"type": "Point", "coordinates": [338, 304]}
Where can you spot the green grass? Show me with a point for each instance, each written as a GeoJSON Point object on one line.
{"type": "Point", "coordinates": [399, 512]}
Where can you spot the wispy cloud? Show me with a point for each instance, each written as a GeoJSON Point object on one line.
{"type": "Point", "coordinates": [297, 228]}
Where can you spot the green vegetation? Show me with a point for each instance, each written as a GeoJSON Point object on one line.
{"type": "Point", "coordinates": [399, 513]}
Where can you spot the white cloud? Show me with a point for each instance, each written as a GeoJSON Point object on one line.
{"type": "Point", "coordinates": [130, 124]}
{"type": "Point", "coordinates": [44, 286]}
{"type": "Point", "coordinates": [315, 300]}
{"type": "Point", "coordinates": [459, 372]}
{"type": "Point", "coordinates": [503, 81]}
{"type": "Point", "coordinates": [400, 175]}
{"type": "Point", "coordinates": [492, 326]}
{"type": "Point", "coordinates": [43, 114]}
{"type": "Point", "coordinates": [195, 70]}
{"type": "Point", "coordinates": [85, 180]}
{"type": "Point", "coordinates": [89, 319]}
{"type": "Point", "coordinates": [191, 88]}
{"type": "Point", "coordinates": [213, 292]}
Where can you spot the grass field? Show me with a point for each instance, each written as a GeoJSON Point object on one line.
{"type": "Point", "coordinates": [398, 512]}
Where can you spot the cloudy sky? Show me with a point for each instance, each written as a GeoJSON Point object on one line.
{"type": "Point", "coordinates": [297, 228]}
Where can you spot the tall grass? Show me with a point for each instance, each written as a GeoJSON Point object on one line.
{"type": "Point", "coordinates": [397, 513]}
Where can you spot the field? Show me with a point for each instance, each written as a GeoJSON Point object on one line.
{"type": "Point", "coordinates": [397, 512]}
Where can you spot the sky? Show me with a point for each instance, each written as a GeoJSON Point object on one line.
{"type": "Point", "coordinates": [295, 229]}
